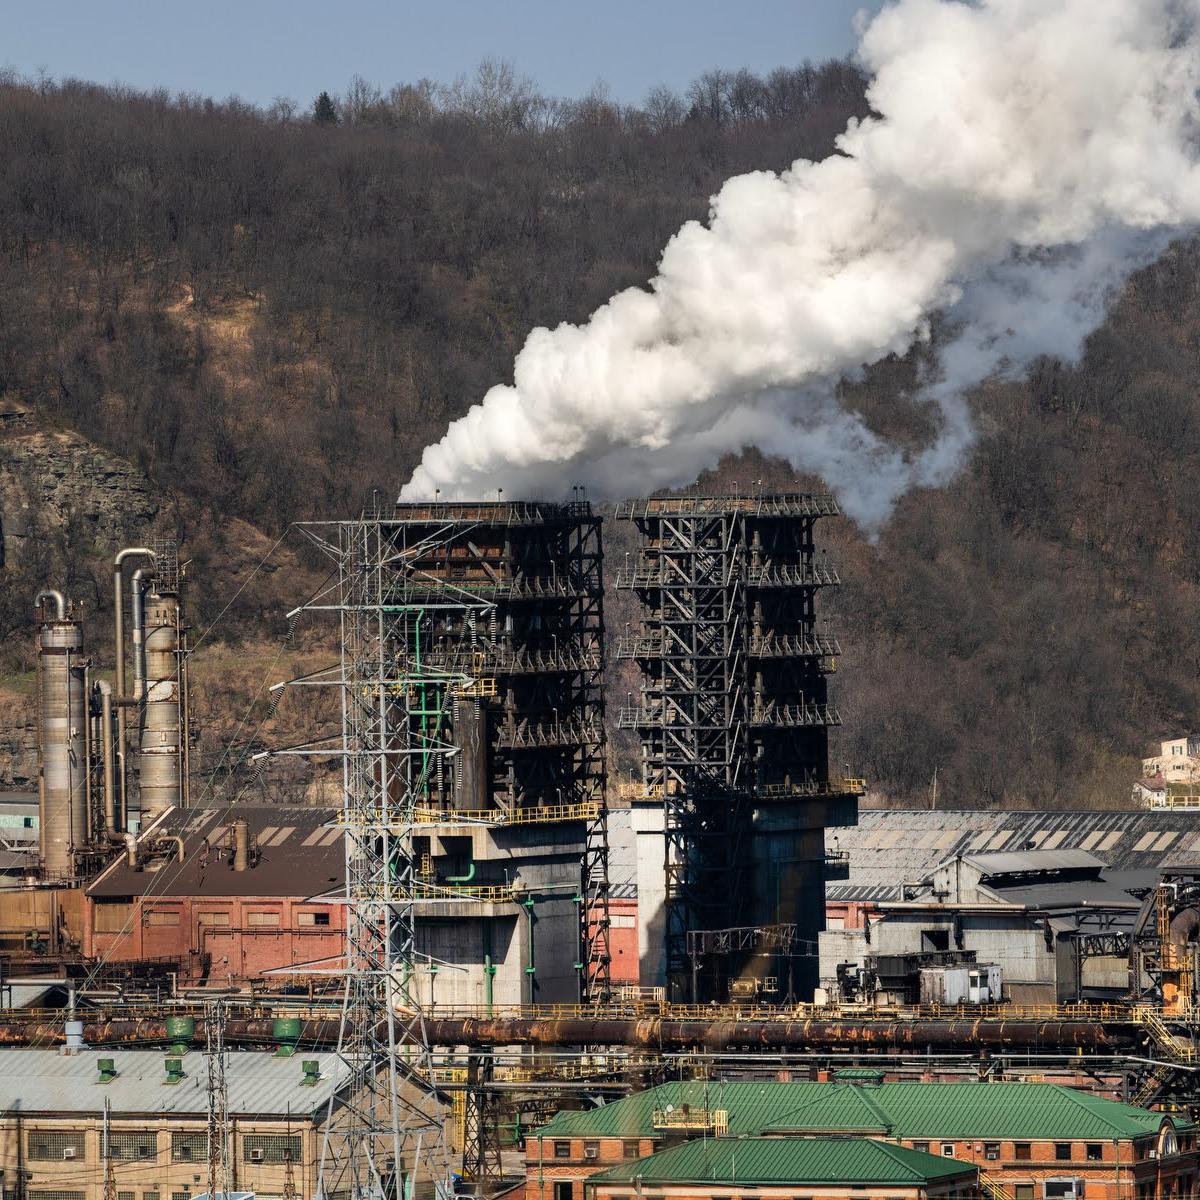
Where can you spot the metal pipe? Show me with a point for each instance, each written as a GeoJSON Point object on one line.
{"type": "Point", "coordinates": [161, 732]}
{"type": "Point", "coordinates": [114, 825]}
{"type": "Point", "coordinates": [88, 831]}
{"type": "Point", "coordinates": [60, 603]}
{"type": "Point", "coordinates": [119, 637]}
{"type": "Point", "coordinates": [131, 851]}
{"type": "Point", "coordinates": [137, 606]}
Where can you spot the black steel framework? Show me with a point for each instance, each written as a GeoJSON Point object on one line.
{"type": "Point", "coordinates": [530, 734]}
{"type": "Point", "coordinates": [733, 714]}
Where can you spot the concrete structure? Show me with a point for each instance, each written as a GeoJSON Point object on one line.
{"type": "Point", "coordinates": [226, 921]}
{"type": "Point", "coordinates": [1046, 918]}
{"type": "Point", "coordinates": [776, 1168]}
{"type": "Point", "coordinates": [52, 1116]}
{"type": "Point", "coordinates": [1035, 1141]}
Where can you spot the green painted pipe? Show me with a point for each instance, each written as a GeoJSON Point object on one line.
{"type": "Point", "coordinates": [463, 878]}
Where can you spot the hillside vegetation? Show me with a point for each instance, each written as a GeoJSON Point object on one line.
{"type": "Point", "coordinates": [271, 316]}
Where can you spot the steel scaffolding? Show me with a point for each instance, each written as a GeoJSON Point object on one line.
{"type": "Point", "coordinates": [733, 715]}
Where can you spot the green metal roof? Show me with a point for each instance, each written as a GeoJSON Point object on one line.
{"type": "Point", "coordinates": [786, 1160]}
{"type": "Point", "coordinates": [1019, 1111]}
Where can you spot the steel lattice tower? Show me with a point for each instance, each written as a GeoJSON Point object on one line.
{"type": "Point", "coordinates": [385, 1119]}
{"type": "Point", "coordinates": [733, 715]}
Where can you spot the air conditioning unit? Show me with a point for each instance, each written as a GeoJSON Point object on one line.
{"type": "Point", "coordinates": [68, 1152]}
{"type": "Point", "coordinates": [257, 1155]}
{"type": "Point", "coordinates": [591, 1152]}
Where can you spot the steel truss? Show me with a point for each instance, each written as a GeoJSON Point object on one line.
{"type": "Point", "coordinates": [385, 1124]}
{"type": "Point", "coordinates": [733, 713]}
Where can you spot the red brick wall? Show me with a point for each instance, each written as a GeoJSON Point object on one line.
{"type": "Point", "coordinates": [237, 951]}
{"type": "Point", "coordinates": [541, 1173]}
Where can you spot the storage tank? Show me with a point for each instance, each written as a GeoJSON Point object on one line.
{"type": "Point", "coordinates": [62, 717]}
{"type": "Point", "coordinates": [160, 742]}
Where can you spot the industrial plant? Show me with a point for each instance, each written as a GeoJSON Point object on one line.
{"type": "Point", "coordinates": [496, 965]}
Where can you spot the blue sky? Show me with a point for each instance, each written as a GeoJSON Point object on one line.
{"type": "Point", "coordinates": [260, 49]}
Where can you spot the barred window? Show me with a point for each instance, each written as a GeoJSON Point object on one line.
{"type": "Point", "coordinates": [270, 1148]}
{"type": "Point", "coordinates": [189, 1147]}
{"type": "Point", "coordinates": [133, 1145]}
{"type": "Point", "coordinates": [181, 1196]}
{"type": "Point", "coordinates": [149, 1196]}
{"type": "Point", "coordinates": [57, 1196]}
{"type": "Point", "coordinates": [50, 1145]}
{"type": "Point", "coordinates": [126, 1196]}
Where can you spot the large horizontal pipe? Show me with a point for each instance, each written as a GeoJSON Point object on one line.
{"type": "Point", "coordinates": [645, 1033]}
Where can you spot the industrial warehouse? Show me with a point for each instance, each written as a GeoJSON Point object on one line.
{"type": "Point", "coordinates": [492, 966]}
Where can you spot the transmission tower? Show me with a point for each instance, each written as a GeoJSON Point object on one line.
{"type": "Point", "coordinates": [218, 1102]}
{"type": "Point", "coordinates": [385, 1123]}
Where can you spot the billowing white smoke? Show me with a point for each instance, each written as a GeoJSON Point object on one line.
{"type": "Point", "coordinates": [1027, 155]}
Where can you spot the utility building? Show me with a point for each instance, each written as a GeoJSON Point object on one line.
{"type": "Point", "coordinates": [733, 718]}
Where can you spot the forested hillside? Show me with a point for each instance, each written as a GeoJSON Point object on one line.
{"type": "Point", "coordinates": [271, 315]}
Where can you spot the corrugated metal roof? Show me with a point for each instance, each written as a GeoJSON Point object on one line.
{"type": "Point", "coordinates": [926, 837]}
{"type": "Point", "coordinates": [47, 1081]}
{"type": "Point", "coordinates": [288, 863]}
{"type": "Point", "coordinates": [906, 1110]}
{"type": "Point", "coordinates": [786, 1160]}
{"type": "Point", "coordinates": [1025, 862]}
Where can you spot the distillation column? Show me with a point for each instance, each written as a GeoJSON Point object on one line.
{"type": "Point", "coordinates": [62, 718]}
{"type": "Point", "coordinates": [161, 743]}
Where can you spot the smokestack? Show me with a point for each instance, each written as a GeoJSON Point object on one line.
{"type": "Point", "coordinates": [1021, 159]}
{"type": "Point", "coordinates": [61, 722]}
{"type": "Point", "coordinates": [241, 844]}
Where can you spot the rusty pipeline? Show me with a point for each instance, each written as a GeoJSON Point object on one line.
{"type": "Point", "coordinates": [647, 1032]}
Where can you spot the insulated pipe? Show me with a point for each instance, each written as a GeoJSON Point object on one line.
{"type": "Point", "coordinates": [131, 851]}
{"type": "Point", "coordinates": [114, 825]}
{"type": "Point", "coordinates": [161, 735]}
{"type": "Point", "coordinates": [241, 844]}
{"type": "Point", "coordinates": [137, 606]}
{"type": "Point", "coordinates": [119, 632]}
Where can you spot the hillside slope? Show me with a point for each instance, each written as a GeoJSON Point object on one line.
{"type": "Point", "coordinates": [270, 319]}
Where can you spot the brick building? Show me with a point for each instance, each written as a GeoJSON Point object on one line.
{"type": "Point", "coordinates": [775, 1168]}
{"type": "Point", "coordinates": [52, 1117]}
{"type": "Point", "coordinates": [1036, 1141]}
{"type": "Point", "coordinates": [226, 919]}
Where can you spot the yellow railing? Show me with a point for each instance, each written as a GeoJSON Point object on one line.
{"type": "Point", "coordinates": [993, 1188]}
{"type": "Point", "coordinates": [474, 687]}
{"type": "Point", "coordinates": [712, 1120]}
{"type": "Point", "coordinates": [545, 814]}
{"type": "Point", "coordinates": [490, 894]}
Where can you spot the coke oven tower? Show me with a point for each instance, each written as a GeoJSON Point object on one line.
{"type": "Point", "coordinates": [733, 719]}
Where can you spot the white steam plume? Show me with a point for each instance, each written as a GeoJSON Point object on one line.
{"type": "Point", "coordinates": [1027, 155]}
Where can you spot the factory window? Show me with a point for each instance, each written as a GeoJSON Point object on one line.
{"type": "Point", "coordinates": [591, 1149]}
{"type": "Point", "coordinates": [622, 921]}
{"type": "Point", "coordinates": [922, 1146]}
{"type": "Point", "coordinates": [1022, 1152]}
{"type": "Point", "coordinates": [562, 1149]}
{"type": "Point", "coordinates": [631, 1149]}
{"type": "Point", "coordinates": [947, 1149]}
{"type": "Point", "coordinates": [213, 918]}
{"type": "Point", "coordinates": [189, 1147]}
{"type": "Point", "coordinates": [149, 1196]}
{"type": "Point", "coordinates": [991, 1150]}
{"type": "Point", "coordinates": [162, 916]}
{"type": "Point", "coordinates": [262, 918]}
{"type": "Point", "coordinates": [271, 1148]}
{"type": "Point", "coordinates": [113, 917]}
{"type": "Point", "coordinates": [1095, 1152]}
{"type": "Point", "coordinates": [133, 1145]}
{"type": "Point", "coordinates": [1062, 1151]}
{"type": "Point", "coordinates": [563, 1189]}
{"type": "Point", "coordinates": [126, 1196]}
{"type": "Point", "coordinates": [181, 1196]}
{"type": "Point", "coordinates": [312, 918]}
{"type": "Point", "coordinates": [57, 1195]}
{"type": "Point", "coordinates": [1022, 1191]}
{"type": "Point", "coordinates": [48, 1146]}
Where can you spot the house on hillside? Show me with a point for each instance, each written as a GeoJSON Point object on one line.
{"type": "Point", "coordinates": [1178, 761]}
